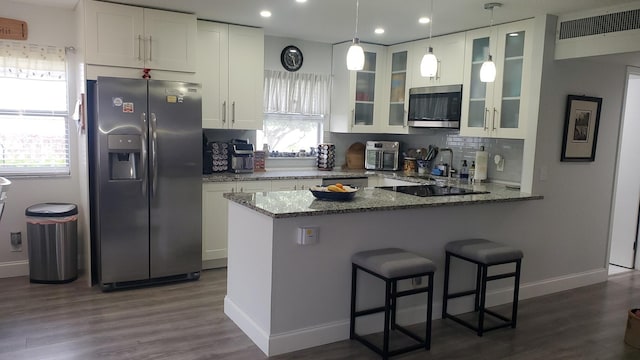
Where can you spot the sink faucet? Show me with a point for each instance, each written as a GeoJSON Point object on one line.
{"type": "Point", "coordinates": [450, 162]}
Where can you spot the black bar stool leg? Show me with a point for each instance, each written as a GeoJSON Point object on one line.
{"type": "Point", "coordinates": [483, 298]}
{"type": "Point", "coordinates": [352, 322]}
{"type": "Point", "coordinates": [514, 311]}
{"type": "Point", "coordinates": [476, 299]}
{"type": "Point", "coordinates": [394, 289]}
{"type": "Point", "coordinates": [445, 295]}
{"type": "Point", "coordinates": [427, 338]}
{"type": "Point", "coordinates": [387, 308]}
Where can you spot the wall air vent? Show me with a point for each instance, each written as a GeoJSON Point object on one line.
{"type": "Point", "coordinates": [596, 32]}
{"type": "Point", "coordinates": [601, 24]}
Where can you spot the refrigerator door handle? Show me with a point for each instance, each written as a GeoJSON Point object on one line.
{"type": "Point", "coordinates": [154, 153]}
{"type": "Point", "coordinates": [144, 154]}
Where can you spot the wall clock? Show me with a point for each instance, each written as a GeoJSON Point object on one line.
{"type": "Point", "coordinates": [291, 58]}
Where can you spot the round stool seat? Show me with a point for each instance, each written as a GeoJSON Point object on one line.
{"type": "Point", "coordinates": [393, 263]}
{"type": "Point", "coordinates": [484, 251]}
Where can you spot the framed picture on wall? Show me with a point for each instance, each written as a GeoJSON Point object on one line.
{"type": "Point", "coordinates": [581, 122]}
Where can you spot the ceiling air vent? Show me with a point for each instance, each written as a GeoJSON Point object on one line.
{"type": "Point", "coordinates": [601, 24]}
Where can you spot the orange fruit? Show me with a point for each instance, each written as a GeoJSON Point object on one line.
{"type": "Point", "coordinates": [339, 185]}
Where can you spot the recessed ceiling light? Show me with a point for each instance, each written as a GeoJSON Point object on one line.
{"type": "Point", "coordinates": [379, 31]}
{"type": "Point", "coordinates": [301, 1]}
{"type": "Point", "coordinates": [424, 20]}
{"type": "Point", "coordinates": [265, 13]}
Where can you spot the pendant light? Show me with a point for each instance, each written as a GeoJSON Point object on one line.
{"type": "Point", "coordinates": [355, 55]}
{"type": "Point", "coordinates": [429, 63]}
{"type": "Point", "coordinates": [488, 69]}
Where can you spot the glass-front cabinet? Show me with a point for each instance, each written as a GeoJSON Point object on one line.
{"type": "Point", "coordinates": [357, 103]}
{"type": "Point", "coordinates": [399, 69]}
{"type": "Point", "coordinates": [497, 109]}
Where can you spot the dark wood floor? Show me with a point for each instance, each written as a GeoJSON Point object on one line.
{"type": "Point", "coordinates": [186, 321]}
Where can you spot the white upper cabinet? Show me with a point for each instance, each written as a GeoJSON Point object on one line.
{"type": "Point", "coordinates": [449, 50]}
{"type": "Point", "coordinates": [129, 36]}
{"type": "Point", "coordinates": [399, 72]}
{"type": "Point", "coordinates": [171, 40]}
{"type": "Point", "coordinates": [211, 70]}
{"type": "Point", "coordinates": [357, 97]}
{"type": "Point", "coordinates": [246, 77]}
{"type": "Point", "coordinates": [230, 68]}
{"type": "Point", "coordinates": [498, 109]}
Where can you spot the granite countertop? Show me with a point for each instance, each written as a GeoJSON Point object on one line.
{"type": "Point", "coordinates": [286, 175]}
{"type": "Point", "coordinates": [285, 204]}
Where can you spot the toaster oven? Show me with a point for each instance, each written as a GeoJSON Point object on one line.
{"type": "Point", "coordinates": [382, 155]}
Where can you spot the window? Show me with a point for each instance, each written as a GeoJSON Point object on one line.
{"type": "Point", "coordinates": [288, 133]}
{"type": "Point", "coordinates": [295, 105]}
{"type": "Point", "coordinates": [34, 135]}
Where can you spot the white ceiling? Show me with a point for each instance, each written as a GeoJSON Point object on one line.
{"type": "Point", "coordinates": [333, 21]}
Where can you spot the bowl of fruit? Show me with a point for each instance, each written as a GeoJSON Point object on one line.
{"type": "Point", "coordinates": [334, 192]}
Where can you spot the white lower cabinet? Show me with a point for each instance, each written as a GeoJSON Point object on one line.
{"type": "Point", "coordinates": [214, 221]}
{"type": "Point", "coordinates": [253, 186]}
{"type": "Point", "coordinates": [296, 184]}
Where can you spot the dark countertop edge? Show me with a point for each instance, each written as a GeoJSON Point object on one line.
{"type": "Point", "coordinates": [230, 197]}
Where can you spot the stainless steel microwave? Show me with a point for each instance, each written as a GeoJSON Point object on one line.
{"type": "Point", "coordinates": [435, 106]}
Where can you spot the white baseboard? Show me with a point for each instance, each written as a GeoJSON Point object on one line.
{"type": "Point", "coordinates": [275, 344]}
{"type": "Point", "coordinates": [247, 325]}
{"type": "Point", "coordinates": [308, 337]}
{"type": "Point", "coordinates": [14, 268]}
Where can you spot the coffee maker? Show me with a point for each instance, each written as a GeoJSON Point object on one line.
{"type": "Point", "coordinates": [240, 157]}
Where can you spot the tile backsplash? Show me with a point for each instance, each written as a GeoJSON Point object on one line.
{"type": "Point", "coordinates": [464, 148]}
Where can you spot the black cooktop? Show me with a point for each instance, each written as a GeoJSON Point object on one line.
{"type": "Point", "coordinates": [431, 190]}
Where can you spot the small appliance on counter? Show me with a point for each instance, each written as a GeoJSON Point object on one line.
{"type": "Point", "coordinates": [259, 160]}
{"type": "Point", "coordinates": [216, 154]}
{"type": "Point", "coordinates": [240, 157]}
{"type": "Point", "coordinates": [382, 155]}
{"type": "Point", "coordinates": [326, 158]}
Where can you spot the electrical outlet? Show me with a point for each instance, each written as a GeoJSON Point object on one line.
{"type": "Point", "coordinates": [416, 281]}
{"type": "Point", "coordinates": [16, 241]}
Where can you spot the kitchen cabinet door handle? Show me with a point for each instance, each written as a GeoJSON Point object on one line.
{"type": "Point", "coordinates": [140, 49]}
{"type": "Point", "coordinates": [486, 111]}
{"type": "Point", "coordinates": [406, 119]}
{"type": "Point", "coordinates": [233, 112]}
{"type": "Point", "coordinates": [144, 154]}
{"type": "Point", "coordinates": [224, 112]}
{"type": "Point", "coordinates": [353, 118]}
{"type": "Point", "coordinates": [493, 120]}
{"type": "Point", "coordinates": [154, 155]}
{"type": "Point", "coordinates": [150, 48]}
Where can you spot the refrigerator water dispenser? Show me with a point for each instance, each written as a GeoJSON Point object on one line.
{"type": "Point", "coordinates": [124, 157]}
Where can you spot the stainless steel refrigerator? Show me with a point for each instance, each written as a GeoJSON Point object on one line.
{"type": "Point", "coordinates": [146, 181]}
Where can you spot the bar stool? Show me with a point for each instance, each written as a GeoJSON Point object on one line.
{"type": "Point", "coordinates": [483, 253]}
{"type": "Point", "coordinates": [392, 265]}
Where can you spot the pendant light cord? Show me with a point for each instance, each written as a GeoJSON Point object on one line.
{"type": "Point", "coordinates": [357, 12]}
{"type": "Point", "coordinates": [431, 21]}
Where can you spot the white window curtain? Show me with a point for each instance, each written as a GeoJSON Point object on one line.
{"type": "Point", "coordinates": [296, 93]}
{"type": "Point", "coordinates": [34, 139]}
{"type": "Point", "coordinates": [31, 61]}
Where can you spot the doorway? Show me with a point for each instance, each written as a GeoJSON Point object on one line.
{"type": "Point", "coordinates": [626, 201]}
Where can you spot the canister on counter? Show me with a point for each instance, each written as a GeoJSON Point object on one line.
{"type": "Point", "coordinates": [410, 165]}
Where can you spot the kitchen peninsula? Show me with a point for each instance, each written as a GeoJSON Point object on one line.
{"type": "Point", "coordinates": [288, 294]}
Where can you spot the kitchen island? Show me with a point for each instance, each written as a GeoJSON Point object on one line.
{"type": "Point", "coordinates": [287, 293]}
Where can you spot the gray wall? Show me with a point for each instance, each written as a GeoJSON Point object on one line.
{"type": "Point", "coordinates": [571, 224]}
{"type": "Point", "coordinates": [317, 56]}
{"type": "Point", "coordinates": [47, 26]}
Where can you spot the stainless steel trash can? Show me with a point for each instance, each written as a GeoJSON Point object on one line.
{"type": "Point", "coordinates": [52, 233]}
